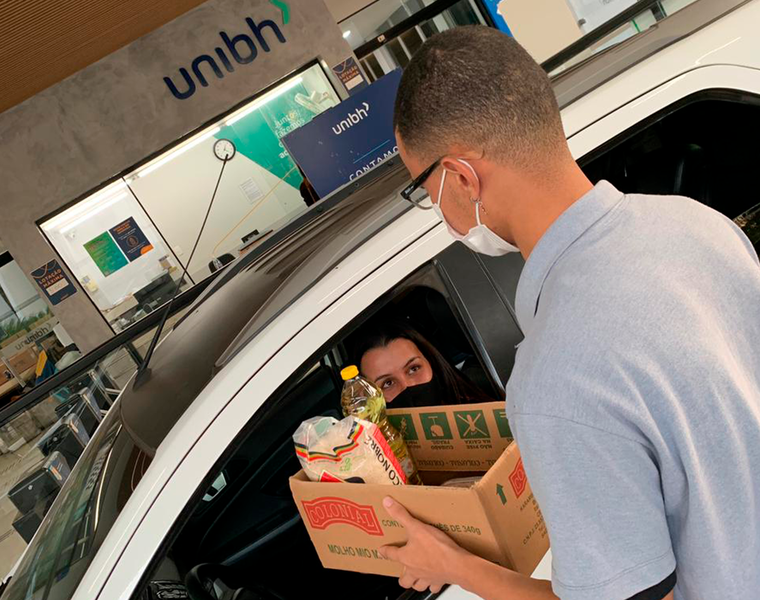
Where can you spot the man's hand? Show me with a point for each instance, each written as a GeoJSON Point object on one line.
{"type": "Point", "coordinates": [430, 557]}
{"type": "Point", "coordinates": [431, 560]}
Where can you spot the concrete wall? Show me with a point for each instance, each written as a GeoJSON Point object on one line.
{"type": "Point", "coordinates": [70, 138]}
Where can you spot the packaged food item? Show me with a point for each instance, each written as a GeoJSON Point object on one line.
{"type": "Point", "coordinates": [351, 450]}
{"type": "Point", "coordinates": [363, 399]}
{"type": "Point", "coordinates": [462, 482]}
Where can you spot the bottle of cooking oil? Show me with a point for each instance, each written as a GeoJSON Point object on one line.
{"type": "Point", "coordinates": [364, 400]}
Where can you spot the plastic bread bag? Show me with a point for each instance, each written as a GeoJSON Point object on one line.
{"type": "Point", "coordinates": [351, 450]}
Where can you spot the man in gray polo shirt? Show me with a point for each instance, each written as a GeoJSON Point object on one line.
{"type": "Point", "coordinates": [635, 396]}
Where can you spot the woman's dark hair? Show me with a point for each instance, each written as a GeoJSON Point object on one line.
{"type": "Point", "coordinates": [379, 335]}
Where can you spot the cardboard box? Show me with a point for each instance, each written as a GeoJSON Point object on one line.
{"type": "Point", "coordinates": [497, 519]}
{"type": "Point", "coordinates": [24, 360]}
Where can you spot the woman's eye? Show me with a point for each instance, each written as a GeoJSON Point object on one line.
{"type": "Point", "coordinates": [413, 369]}
{"type": "Point", "coordinates": [386, 384]}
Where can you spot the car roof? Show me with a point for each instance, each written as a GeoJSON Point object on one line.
{"type": "Point", "coordinates": [583, 78]}
{"type": "Point", "coordinates": [253, 292]}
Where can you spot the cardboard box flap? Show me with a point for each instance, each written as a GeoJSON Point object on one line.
{"type": "Point", "coordinates": [508, 500]}
{"type": "Point", "coordinates": [463, 437]}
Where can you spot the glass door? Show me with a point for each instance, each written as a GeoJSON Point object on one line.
{"type": "Point", "coordinates": [387, 33]}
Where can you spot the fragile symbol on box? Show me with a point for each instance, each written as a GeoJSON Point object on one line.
{"type": "Point", "coordinates": [324, 512]}
{"type": "Point", "coordinates": [436, 426]}
{"type": "Point", "coordinates": [472, 425]}
{"type": "Point", "coordinates": [518, 479]}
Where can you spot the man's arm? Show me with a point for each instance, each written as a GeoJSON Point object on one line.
{"type": "Point", "coordinates": [431, 560]}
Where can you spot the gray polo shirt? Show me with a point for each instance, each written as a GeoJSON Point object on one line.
{"type": "Point", "coordinates": [635, 397]}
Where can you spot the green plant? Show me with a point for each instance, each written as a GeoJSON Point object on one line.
{"type": "Point", "coordinates": [15, 325]}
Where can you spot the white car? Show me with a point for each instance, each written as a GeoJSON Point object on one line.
{"type": "Point", "coordinates": [191, 467]}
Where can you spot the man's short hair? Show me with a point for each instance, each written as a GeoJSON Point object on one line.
{"type": "Point", "coordinates": [477, 87]}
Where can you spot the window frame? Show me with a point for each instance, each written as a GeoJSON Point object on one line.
{"type": "Point", "coordinates": [614, 126]}
{"type": "Point", "coordinates": [737, 96]}
{"type": "Point", "coordinates": [121, 176]}
{"type": "Point", "coordinates": [168, 512]}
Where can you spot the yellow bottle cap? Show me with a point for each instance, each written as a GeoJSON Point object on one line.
{"type": "Point", "coordinates": [349, 372]}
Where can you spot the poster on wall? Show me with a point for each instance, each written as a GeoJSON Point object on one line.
{"type": "Point", "coordinates": [106, 254]}
{"type": "Point", "coordinates": [350, 75]}
{"type": "Point", "coordinates": [54, 282]}
{"type": "Point", "coordinates": [348, 140]}
{"type": "Point", "coordinates": [131, 239]}
{"type": "Point", "coordinates": [592, 13]}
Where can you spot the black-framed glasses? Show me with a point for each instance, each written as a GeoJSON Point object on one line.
{"type": "Point", "coordinates": [407, 192]}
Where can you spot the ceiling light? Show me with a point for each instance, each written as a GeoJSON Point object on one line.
{"type": "Point", "coordinates": [263, 100]}
{"type": "Point", "coordinates": [161, 161]}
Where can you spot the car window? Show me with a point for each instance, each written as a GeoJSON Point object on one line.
{"type": "Point", "coordinates": [99, 487]}
{"type": "Point", "coordinates": [247, 521]}
{"type": "Point", "coordinates": [666, 154]}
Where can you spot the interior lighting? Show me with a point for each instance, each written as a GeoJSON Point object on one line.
{"type": "Point", "coordinates": [93, 202]}
{"type": "Point", "coordinates": [162, 160]}
{"type": "Point", "coordinates": [100, 208]}
{"type": "Point", "coordinates": [346, 34]}
{"type": "Point", "coordinates": [247, 110]}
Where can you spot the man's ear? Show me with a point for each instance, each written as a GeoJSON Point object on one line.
{"type": "Point", "coordinates": [462, 177]}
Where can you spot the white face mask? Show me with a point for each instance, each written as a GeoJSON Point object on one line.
{"type": "Point", "coordinates": [480, 238]}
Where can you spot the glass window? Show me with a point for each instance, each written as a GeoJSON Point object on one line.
{"type": "Point", "coordinates": [116, 253]}
{"type": "Point", "coordinates": [412, 40]}
{"type": "Point", "coordinates": [129, 243]}
{"type": "Point", "coordinates": [593, 15]}
{"type": "Point", "coordinates": [27, 329]}
{"type": "Point", "coordinates": [375, 20]}
{"type": "Point", "coordinates": [665, 153]}
{"type": "Point", "coordinates": [57, 559]}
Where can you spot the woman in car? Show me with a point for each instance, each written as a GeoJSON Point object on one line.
{"type": "Point", "coordinates": [410, 371]}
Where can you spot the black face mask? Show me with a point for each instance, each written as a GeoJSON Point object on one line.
{"type": "Point", "coordinates": [431, 393]}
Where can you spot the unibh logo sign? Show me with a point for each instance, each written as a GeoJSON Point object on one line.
{"type": "Point", "coordinates": [324, 512]}
{"type": "Point", "coordinates": [352, 118]}
{"type": "Point", "coordinates": [241, 49]}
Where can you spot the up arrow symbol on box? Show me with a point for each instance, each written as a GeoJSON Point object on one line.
{"type": "Point", "coordinates": [501, 494]}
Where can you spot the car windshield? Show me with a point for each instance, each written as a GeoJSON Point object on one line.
{"type": "Point", "coordinates": [99, 486]}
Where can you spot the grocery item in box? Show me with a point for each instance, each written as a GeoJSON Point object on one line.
{"type": "Point", "coordinates": [351, 450]}
{"type": "Point", "coordinates": [363, 399]}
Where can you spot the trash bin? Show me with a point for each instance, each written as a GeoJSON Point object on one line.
{"type": "Point", "coordinates": [43, 480]}
{"type": "Point", "coordinates": [84, 407]}
{"type": "Point", "coordinates": [68, 436]}
{"type": "Point", "coordinates": [27, 524]}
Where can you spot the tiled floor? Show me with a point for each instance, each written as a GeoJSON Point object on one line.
{"type": "Point", "coordinates": [11, 466]}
